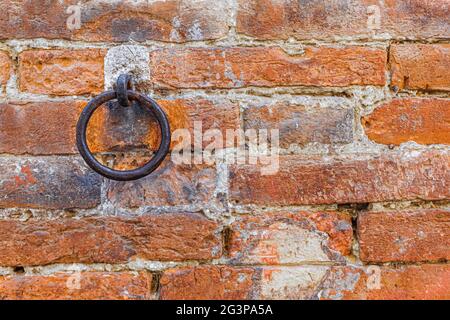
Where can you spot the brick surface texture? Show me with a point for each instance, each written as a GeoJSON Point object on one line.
{"type": "Point", "coordinates": [340, 108]}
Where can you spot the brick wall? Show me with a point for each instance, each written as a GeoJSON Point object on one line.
{"type": "Point", "coordinates": [358, 208]}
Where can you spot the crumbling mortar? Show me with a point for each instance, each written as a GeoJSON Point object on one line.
{"type": "Point", "coordinates": [25, 214]}
{"type": "Point", "coordinates": [144, 265]}
{"type": "Point", "coordinates": [160, 267]}
{"type": "Point", "coordinates": [240, 93]}
{"type": "Point", "coordinates": [233, 40]}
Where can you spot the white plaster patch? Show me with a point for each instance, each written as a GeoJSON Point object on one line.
{"type": "Point", "coordinates": [337, 283]}
{"type": "Point", "coordinates": [291, 282]}
{"type": "Point", "coordinates": [283, 243]}
{"type": "Point", "coordinates": [131, 59]}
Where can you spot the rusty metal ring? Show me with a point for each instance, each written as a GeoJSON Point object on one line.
{"type": "Point", "coordinates": [123, 84]}
{"type": "Point", "coordinates": [127, 175]}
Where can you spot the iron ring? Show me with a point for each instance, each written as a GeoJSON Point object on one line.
{"type": "Point", "coordinates": [126, 175]}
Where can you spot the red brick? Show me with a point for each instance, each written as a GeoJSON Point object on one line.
{"type": "Point", "coordinates": [111, 128]}
{"type": "Point", "coordinates": [267, 67]}
{"type": "Point", "coordinates": [286, 238]}
{"type": "Point", "coordinates": [61, 72]}
{"type": "Point", "coordinates": [423, 282]}
{"type": "Point", "coordinates": [400, 236]}
{"type": "Point", "coordinates": [306, 19]}
{"type": "Point", "coordinates": [351, 282]}
{"type": "Point", "coordinates": [345, 179]}
{"type": "Point", "coordinates": [39, 127]}
{"type": "Point", "coordinates": [206, 283]}
{"type": "Point", "coordinates": [424, 121]}
{"type": "Point", "coordinates": [77, 286]}
{"type": "Point", "coordinates": [170, 185]}
{"type": "Point", "coordinates": [420, 66]}
{"type": "Point", "coordinates": [232, 283]}
{"type": "Point", "coordinates": [300, 124]}
{"type": "Point", "coordinates": [49, 183]}
{"type": "Point", "coordinates": [118, 21]}
{"type": "Point", "coordinates": [306, 282]}
{"type": "Point", "coordinates": [166, 237]}
{"type": "Point", "coordinates": [5, 69]}
{"type": "Point", "coordinates": [45, 128]}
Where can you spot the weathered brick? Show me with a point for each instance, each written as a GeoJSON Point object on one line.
{"type": "Point", "coordinates": [425, 121]}
{"type": "Point", "coordinates": [44, 128]}
{"type": "Point", "coordinates": [395, 176]}
{"type": "Point", "coordinates": [61, 72]}
{"type": "Point", "coordinates": [289, 283]}
{"type": "Point", "coordinates": [423, 282]}
{"type": "Point", "coordinates": [50, 183]}
{"type": "Point", "coordinates": [117, 128]}
{"type": "Point", "coordinates": [170, 185]}
{"type": "Point", "coordinates": [39, 127]}
{"type": "Point", "coordinates": [285, 238]}
{"type": "Point", "coordinates": [316, 19]}
{"type": "Point", "coordinates": [351, 282]}
{"type": "Point", "coordinates": [168, 237]}
{"type": "Point", "coordinates": [400, 236]}
{"type": "Point", "coordinates": [271, 250]}
{"type": "Point", "coordinates": [206, 283]}
{"type": "Point", "coordinates": [5, 69]}
{"type": "Point", "coordinates": [266, 67]}
{"type": "Point", "coordinates": [77, 286]}
{"type": "Point", "coordinates": [299, 124]}
{"type": "Point", "coordinates": [120, 21]}
{"type": "Point", "coordinates": [231, 283]}
{"type": "Point", "coordinates": [307, 282]}
{"type": "Point", "coordinates": [420, 66]}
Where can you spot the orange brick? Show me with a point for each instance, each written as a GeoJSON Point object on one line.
{"type": "Point", "coordinates": [167, 237]}
{"type": "Point", "coordinates": [306, 19]}
{"type": "Point", "coordinates": [77, 286]}
{"type": "Point", "coordinates": [122, 129]}
{"type": "Point", "coordinates": [119, 21]}
{"type": "Point", "coordinates": [267, 67]}
{"type": "Point", "coordinates": [420, 66]}
{"type": "Point", "coordinates": [5, 69]}
{"type": "Point", "coordinates": [61, 72]}
{"type": "Point", "coordinates": [206, 283]}
{"type": "Point", "coordinates": [39, 128]}
{"type": "Point", "coordinates": [424, 121]}
{"type": "Point", "coordinates": [423, 282]}
{"type": "Point", "coordinates": [299, 180]}
{"type": "Point", "coordinates": [401, 236]}
{"type": "Point", "coordinates": [44, 128]}
{"type": "Point", "coordinates": [307, 282]}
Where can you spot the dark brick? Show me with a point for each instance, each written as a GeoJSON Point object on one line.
{"type": "Point", "coordinates": [49, 183]}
